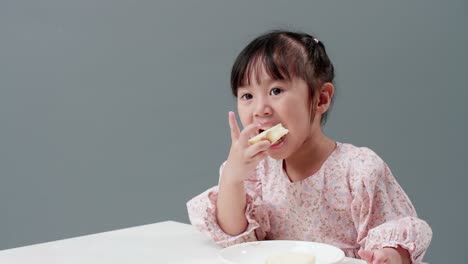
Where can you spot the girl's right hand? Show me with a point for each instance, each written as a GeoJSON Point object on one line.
{"type": "Point", "coordinates": [243, 158]}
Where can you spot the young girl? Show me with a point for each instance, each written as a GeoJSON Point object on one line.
{"type": "Point", "coordinates": [307, 186]}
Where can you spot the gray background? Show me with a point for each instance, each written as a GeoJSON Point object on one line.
{"type": "Point", "coordinates": [96, 98]}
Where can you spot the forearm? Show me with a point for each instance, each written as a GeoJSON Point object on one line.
{"type": "Point", "coordinates": [231, 205]}
{"type": "Point", "coordinates": [242, 160]}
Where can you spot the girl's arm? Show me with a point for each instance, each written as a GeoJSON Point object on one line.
{"type": "Point", "coordinates": [383, 214]}
{"type": "Point", "coordinates": [231, 205]}
{"type": "Point", "coordinates": [203, 210]}
{"type": "Point", "coordinates": [232, 212]}
{"type": "Point", "coordinates": [241, 162]}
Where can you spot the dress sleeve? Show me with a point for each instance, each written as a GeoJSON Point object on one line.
{"type": "Point", "coordinates": [382, 212]}
{"type": "Point", "coordinates": [202, 214]}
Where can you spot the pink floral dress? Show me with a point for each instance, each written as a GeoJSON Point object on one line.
{"type": "Point", "coordinates": [353, 201]}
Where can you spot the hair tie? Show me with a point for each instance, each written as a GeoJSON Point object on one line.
{"type": "Point", "coordinates": [316, 40]}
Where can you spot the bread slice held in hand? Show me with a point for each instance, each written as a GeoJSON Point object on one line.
{"type": "Point", "coordinates": [272, 134]}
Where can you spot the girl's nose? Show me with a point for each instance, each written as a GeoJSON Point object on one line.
{"type": "Point", "coordinates": [262, 109]}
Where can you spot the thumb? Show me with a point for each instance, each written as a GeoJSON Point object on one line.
{"type": "Point", "coordinates": [366, 255]}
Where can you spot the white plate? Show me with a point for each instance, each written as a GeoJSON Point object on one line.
{"type": "Point", "coordinates": [257, 252]}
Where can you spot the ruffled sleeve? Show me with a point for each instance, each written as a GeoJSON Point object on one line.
{"type": "Point", "coordinates": [382, 212]}
{"type": "Point", "coordinates": [410, 233]}
{"type": "Point", "coordinates": [202, 214]}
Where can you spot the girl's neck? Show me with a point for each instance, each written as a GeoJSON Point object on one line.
{"type": "Point", "coordinates": [309, 158]}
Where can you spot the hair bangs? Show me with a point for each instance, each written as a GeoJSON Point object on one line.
{"type": "Point", "coordinates": [280, 58]}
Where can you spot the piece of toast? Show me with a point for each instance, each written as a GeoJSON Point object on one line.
{"type": "Point", "coordinates": [290, 258]}
{"type": "Point", "coordinates": [272, 134]}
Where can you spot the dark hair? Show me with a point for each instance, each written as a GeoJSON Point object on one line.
{"type": "Point", "coordinates": [284, 55]}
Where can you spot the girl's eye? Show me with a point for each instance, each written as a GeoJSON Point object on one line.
{"type": "Point", "coordinates": [275, 91]}
{"type": "Point", "coordinates": [246, 96]}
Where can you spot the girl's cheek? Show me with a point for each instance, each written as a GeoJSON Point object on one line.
{"type": "Point", "coordinates": [244, 119]}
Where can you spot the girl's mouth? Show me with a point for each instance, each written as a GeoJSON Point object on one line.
{"type": "Point", "coordinates": [275, 131]}
{"type": "Point", "coordinates": [278, 143]}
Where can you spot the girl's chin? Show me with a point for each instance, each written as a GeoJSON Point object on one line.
{"type": "Point", "coordinates": [277, 151]}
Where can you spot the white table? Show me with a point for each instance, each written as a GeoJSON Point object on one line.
{"type": "Point", "coordinates": [164, 242]}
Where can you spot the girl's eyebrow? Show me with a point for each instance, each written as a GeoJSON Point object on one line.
{"type": "Point", "coordinates": [267, 82]}
{"type": "Point", "coordinates": [264, 82]}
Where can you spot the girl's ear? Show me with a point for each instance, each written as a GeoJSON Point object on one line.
{"type": "Point", "coordinates": [325, 95]}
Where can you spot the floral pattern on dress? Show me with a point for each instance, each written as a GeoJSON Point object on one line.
{"type": "Point", "coordinates": [352, 201]}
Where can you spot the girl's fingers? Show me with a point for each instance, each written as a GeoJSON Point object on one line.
{"type": "Point", "coordinates": [366, 255]}
{"type": "Point", "coordinates": [257, 148]}
{"type": "Point", "coordinates": [259, 156]}
{"type": "Point", "coordinates": [380, 257]}
{"type": "Point", "coordinates": [248, 132]}
{"type": "Point", "coordinates": [235, 131]}
{"type": "Point", "coordinates": [244, 135]}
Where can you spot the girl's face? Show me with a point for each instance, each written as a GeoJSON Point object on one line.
{"type": "Point", "coordinates": [270, 102]}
